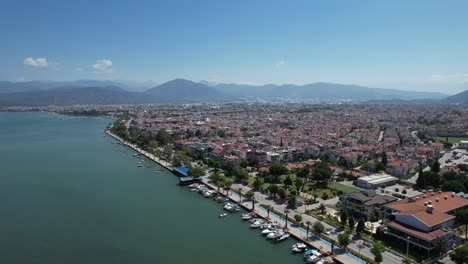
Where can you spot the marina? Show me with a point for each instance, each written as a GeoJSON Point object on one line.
{"type": "Point", "coordinates": [207, 189]}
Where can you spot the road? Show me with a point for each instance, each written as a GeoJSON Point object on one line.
{"type": "Point", "coordinates": [357, 244]}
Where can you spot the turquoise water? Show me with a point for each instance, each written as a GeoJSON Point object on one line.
{"type": "Point", "coordinates": [69, 195]}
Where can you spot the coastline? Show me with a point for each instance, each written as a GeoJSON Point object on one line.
{"type": "Point", "coordinates": [295, 231]}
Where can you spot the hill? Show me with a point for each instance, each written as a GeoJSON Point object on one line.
{"type": "Point", "coordinates": [459, 98]}
{"type": "Point", "coordinates": [181, 90]}
{"type": "Point", "coordinates": [74, 96]}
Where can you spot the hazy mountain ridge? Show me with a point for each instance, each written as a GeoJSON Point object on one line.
{"type": "Point", "coordinates": [40, 93]}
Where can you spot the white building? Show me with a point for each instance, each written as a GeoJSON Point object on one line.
{"type": "Point", "coordinates": [376, 180]}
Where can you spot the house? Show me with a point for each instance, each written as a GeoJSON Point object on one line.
{"type": "Point", "coordinates": [366, 204]}
{"type": "Point", "coordinates": [425, 221]}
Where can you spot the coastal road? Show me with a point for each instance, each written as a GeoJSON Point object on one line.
{"type": "Point", "coordinates": [357, 244]}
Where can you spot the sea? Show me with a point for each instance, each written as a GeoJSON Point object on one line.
{"type": "Point", "coordinates": [71, 194]}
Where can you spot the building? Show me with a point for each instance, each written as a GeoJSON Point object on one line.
{"type": "Point", "coordinates": [365, 204]}
{"type": "Point", "coordinates": [375, 181]}
{"type": "Point", "coordinates": [463, 144]}
{"type": "Point", "coordinates": [425, 221]}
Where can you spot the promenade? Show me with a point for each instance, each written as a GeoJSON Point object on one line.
{"type": "Point", "coordinates": [339, 254]}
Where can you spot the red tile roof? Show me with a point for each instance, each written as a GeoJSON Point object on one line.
{"type": "Point", "coordinates": [429, 236]}
{"type": "Point", "coordinates": [442, 205]}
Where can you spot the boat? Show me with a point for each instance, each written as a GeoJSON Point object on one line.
{"type": "Point", "coordinates": [298, 247]}
{"type": "Point", "coordinates": [194, 185]}
{"type": "Point", "coordinates": [139, 165]}
{"type": "Point", "coordinates": [267, 231]}
{"type": "Point", "coordinates": [275, 234]}
{"type": "Point", "coordinates": [282, 237]}
{"type": "Point", "coordinates": [247, 216]}
{"type": "Point", "coordinates": [208, 194]}
{"type": "Point", "coordinates": [312, 256]}
{"type": "Point", "coordinates": [193, 190]}
{"type": "Point", "coordinates": [237, 208]}
{"type": "Point", "coordinates": [222, 215]}
{"type": "Point", "coordinates": [257, 224]}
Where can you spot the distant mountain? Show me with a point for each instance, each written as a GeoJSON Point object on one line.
{"type": "Point", "coordinates": [74, 96]}
{"type": "Point", "coordinates": [181, 90]}
{"type": "Point", "coordinates": [459, 98]}
{"type": "Point", "coordinates": [323, 91]}
{"type": "Point", "coordinates": [12, 87]}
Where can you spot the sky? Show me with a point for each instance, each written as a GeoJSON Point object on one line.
{"type": "Point", "coordinates": [410, 45]}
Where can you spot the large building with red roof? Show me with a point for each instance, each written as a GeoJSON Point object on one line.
{"type": "Point", "coordinates": [424, 221]}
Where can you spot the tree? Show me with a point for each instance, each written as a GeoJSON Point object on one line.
{"type": "Point", "coordinates": [228, 183]}
{"type": "Point", "coordinates": [257, 183]}
{"type": "Point", "coordinates": [321, 172]}
{"type": "Point", "coordinates": [453, 186]}
{"type": "Point", "coordinates": [318, 227]}
{"type": "Point", "coordinates": [241, 174]}
{"type": "Point", "coordinates": [268, 208]}
{"type": "Point", "coordinates": [360, 226]}
{"type": "Point", "coordinates": [384, 158]}
{"type": "Point", "coordinates": [435, 166]}
{"type": "Point", "coordinates": [308, 224]}
{"type": "Point", "coordinates": [351, 223]}
{"type": "Point", "coordinates": [298, 218]}
{"type": "Point", "coordinates": [462, 218]}
{"type": "Point", "coordinates": [299, 182]}
{"type": "Point", "coordinates": [286, 212]}
{"type": "Point", "coordinates": [377, 250]}
{"type": "Point", "coordinates": [162, 137]}
{"type": "Point", "coordinates": [344, 218]}
{"type": "Point", "coordinates": [460, 254]}
{"type": "Point", "coordinates": [277, 169]}
{"type": "Point", "coordinates": [282, 194]}
{"type": "Point", "coordinates": [322, 208]}
{"type": "Point", "coordinates": [288, 181]}
{"type": "Point", "coordinates": [292, 201]}
{"type": "Point", "coordinates": [407, 261]}
{"type": "Point", "coordinates": [343, 240]}
{"type": "Point", "coordinates": [273, 189]}
{"type": "Point", "coordinates": [303, 172]}
{"type": "Point", "coordinates": [250, 196]}
{"type": "Point", "coordinates": [239, 191]}
{"type": "Point", "coordinates": [196, 171]}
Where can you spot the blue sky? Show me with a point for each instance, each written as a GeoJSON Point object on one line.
{"type": "Point", "coordinates": [418, 45]}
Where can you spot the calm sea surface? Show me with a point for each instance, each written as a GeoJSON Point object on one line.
{"type": "Point", "coordinates": [70, 194]}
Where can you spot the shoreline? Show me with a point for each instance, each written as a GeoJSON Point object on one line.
{"type": "Point", "coordinates": [296, 231]}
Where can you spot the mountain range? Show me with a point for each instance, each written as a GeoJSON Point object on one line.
{"type": "Point", "coordinates": [43, 93]}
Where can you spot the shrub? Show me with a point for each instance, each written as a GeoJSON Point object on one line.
{"type": "Point", "coordinates": [397, 190]}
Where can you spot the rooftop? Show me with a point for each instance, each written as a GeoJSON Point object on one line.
{"type": "Point", "coordinates": [442, 201]}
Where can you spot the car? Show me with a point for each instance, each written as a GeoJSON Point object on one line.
{"type": "Point", "coordinates": [327, 231]}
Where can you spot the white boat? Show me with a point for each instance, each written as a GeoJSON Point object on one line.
{"type": "Point", "coordinates": [298, 247]}
{"type": "Point", "coordinates": [139, 165]}
{"type": "Point", "coordinates": [237, 208]}
{"type": "Point", "coordinates": [275, 234]}
{"type": "Point", "coordinates": [228, 206]}
{"type": "Point", "coordinates": [283, 236]}
{"type": "Point", "coordinates": [257, 224]}
{"type": "Point", "coordinates": [208, 194]}
{"type": "Point", "coordinates": [312, 256]}
{"type": "Point", "coordinates": [247, 216]}
{"type": "Point", "coordinates": [268, 231]}
{"type": "Point", "coordinates": [194, 185]}
{"type": "Point", "coordinates": [222, 215]}
{"type": "Point", "coordinates": [193, 190]}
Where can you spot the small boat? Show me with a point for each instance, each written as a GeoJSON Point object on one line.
{"type": "Point", "coordinates": [257, 224]}
{"type": "Point", "coordinates": [275, 234]}
{"type": "Point", "coordinates": [193, 185]}
{"type": "Point", "coordinates": [139, 165]}
{"type": "Point", "coordinates": [282, 237]}
{"type": "Point", "coordinates": [312, 256]}
{"type": "Point", "coordinates": [222, 215]}
{"type": "Point", "coordinates": [193, 190]}
{"type": "Point", "coordinates": [247, 216]}
{"type": "Point", "coordinates": [208, 194]}
{"type": "Point", "coordinates": [298, 247]}
{"type": "Point", "coordinates": [237, 208]}
{"type": "Point", "coordinates": [267, 231]}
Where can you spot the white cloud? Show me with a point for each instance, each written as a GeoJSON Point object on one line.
{"type": "Point", "coordinates": [280, 63]}
{"type": "Point", "coordinates": [102, 66]}
{"type": "Point", "coordinates": [39, 62]}
{"type": "Point", "coordinates": [450, 78]}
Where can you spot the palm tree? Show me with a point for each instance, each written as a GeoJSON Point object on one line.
{"type": "Point", "coordinates": [308, 224]}
{"type": "Point", "coordinates": [286, 212]}
{"type": "Point", "coordinates": [268, 210]}
{"type": "Point", "coordinates": [239, 191]}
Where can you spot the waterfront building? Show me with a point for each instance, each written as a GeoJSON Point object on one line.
{"type": "Point", "coordinates": [425, 222]}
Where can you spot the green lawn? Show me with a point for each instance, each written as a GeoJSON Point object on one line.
{"type": "Point", "coordinates": [451, 139]}
{"type": "Point", "coordinates": [341, 187]}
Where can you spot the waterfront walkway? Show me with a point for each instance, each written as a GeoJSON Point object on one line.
{"type": "Point", "coordinates": [342, 256]}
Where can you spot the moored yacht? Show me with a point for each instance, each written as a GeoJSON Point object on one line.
{"type": "Point", "coordinates": [298, 247]}
{"type": "Point", "coordinates": [275, 234]}
{"type": "Point", "coordinates": [247, 216]}
{"type": "Point", "coordinates": [282, 237]}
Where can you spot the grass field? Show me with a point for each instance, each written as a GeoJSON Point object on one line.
{"type": "Point", "coordinates": [451, 139]}
{"type": "Point", "coordinates": [341, 187]}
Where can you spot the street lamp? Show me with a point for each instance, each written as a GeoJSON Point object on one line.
{"type": "Point", "coordinates": [407, 246]}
